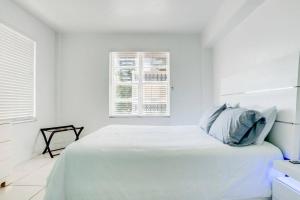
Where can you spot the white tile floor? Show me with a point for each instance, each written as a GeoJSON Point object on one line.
{"type": "Point", "coordinates": [28, 180]}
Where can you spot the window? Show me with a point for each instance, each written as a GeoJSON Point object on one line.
{"type": "Point", "coordinates": [17, 76]}
{"type": "Point", "coordinates": [139, 84]}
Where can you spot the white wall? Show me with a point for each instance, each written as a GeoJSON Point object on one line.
{"type": "Point", "coordinates": [271, 31]}
{"type": "Point", "coordinates": [25, 134]}
{"type": "Point", "coordinates": [84, 77]}
{"type": "Point", "coordinates": [229, 15]}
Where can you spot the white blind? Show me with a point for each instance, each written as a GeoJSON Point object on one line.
{"type": "Point", "coordinates": [17, 78]}
{"type": "Point", "coordinates": [139, 84]}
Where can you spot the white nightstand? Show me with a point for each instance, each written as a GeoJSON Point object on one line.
{"type": "Point", "coordinates": [286, 187]}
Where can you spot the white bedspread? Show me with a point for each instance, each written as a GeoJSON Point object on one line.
{"type": "Point", "coordinates": [121, 162]}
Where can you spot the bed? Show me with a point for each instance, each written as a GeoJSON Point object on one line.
{"type": "Point", "coordinates": [122, 162]}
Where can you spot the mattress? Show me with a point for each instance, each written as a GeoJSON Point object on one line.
{"type": "Point", "coordinates": [120, 162]}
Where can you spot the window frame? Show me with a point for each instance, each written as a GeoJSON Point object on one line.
{"type": "Point", "coordinates": [33, 118]}
{"type": "Point", "coordinates": [140, 85]}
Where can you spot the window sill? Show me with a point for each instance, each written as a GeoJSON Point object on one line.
{"type": "Point", "coordinates": [139, 116]}
{"type": "Point", "coordinates": [19, 121]}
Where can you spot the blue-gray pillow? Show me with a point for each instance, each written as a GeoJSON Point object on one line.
{"type": "Point", "coordinates": [210, 116]}
{"type": "Point", "coordinates": [238, 126]}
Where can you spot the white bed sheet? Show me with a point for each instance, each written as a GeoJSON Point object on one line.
{"type": "Point", "coordinates": [120, 162]}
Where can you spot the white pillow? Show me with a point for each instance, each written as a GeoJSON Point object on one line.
{"type": "Point", "coordinates": [270, 115]}
{"type": "Point", "coordinates": [232, 104]}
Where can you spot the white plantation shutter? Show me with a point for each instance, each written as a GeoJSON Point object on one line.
{"type": "Point", "coordinates": [139, 84]}
{"type": "Point", "coordinates": [155, 83]}
{"type": "Point", "coordinates": [17, 78]}
{"type": "Point", "coordinates": [124, 83]}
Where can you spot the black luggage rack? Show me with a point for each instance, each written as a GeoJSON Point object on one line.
{"type": "Point", "coordinates": [58, 129]}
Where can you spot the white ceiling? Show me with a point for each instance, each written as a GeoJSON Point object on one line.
{"type": "Point", "coordinates": [124, 16]}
